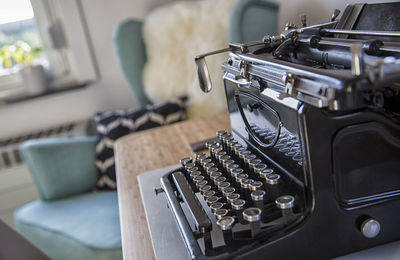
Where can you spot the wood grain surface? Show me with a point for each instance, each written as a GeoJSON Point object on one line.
{"type": "Point", "coordinates": [150, 150]}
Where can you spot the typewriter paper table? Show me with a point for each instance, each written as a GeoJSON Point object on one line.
{"type": "Point", "coordinates": [146, 151]}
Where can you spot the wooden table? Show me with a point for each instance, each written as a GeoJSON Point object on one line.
{"type": "Point", "coordinates": [146, 151]}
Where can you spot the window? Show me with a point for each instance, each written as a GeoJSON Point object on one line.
{"type": "Point", "coordinates": [52, 33]}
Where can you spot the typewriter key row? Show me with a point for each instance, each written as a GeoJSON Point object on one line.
{"type": "Point", "coordinates": [287, 144]}
{"type": "Point", "coordinates": [237, 186]}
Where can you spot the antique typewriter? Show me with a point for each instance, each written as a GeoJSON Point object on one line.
{"type": "Point", "coordinates": [311, 169]}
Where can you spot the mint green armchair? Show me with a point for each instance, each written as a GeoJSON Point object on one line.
{"type": "Point", "coordinates": [70, 222]}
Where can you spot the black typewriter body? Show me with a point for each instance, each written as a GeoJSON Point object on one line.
{"type": "Point", "coordinates": [316, 131]}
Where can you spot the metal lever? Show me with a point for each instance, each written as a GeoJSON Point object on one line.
{"type": "Point", "coordinates": [241, 82]}
{"type": "Point", "coordinates": [357, 59]}
{"type": "Point", "coordinates": [202, 69]}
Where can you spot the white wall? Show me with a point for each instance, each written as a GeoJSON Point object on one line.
{"type": "Point", "coordinates": [110, 92]}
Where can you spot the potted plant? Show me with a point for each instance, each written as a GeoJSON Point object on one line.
{"type": "Point", "coordinates": [20, 58]}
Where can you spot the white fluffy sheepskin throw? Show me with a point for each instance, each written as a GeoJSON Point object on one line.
{"type": "Point", "coordinates": [174, 35]}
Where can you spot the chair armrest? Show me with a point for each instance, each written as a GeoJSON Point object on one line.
{"type": "Point", "coordinates": [61, 167]}
{"type": "Point", "coordinates": [131, 53]}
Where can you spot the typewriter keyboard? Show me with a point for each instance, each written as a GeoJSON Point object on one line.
{"type": "Point", "coordinates": [243, 192]}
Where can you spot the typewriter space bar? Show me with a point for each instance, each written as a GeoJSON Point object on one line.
{"type": "Point", "coordinates": [202, 222]}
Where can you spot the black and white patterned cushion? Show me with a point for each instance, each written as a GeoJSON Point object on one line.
{"type": "Point", "coordinates": [112, 125]}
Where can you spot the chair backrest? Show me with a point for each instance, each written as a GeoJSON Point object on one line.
{"type": "Point", "coordinates": [131, 52]}
{"type": "Point", "coordinates": [250, 20]}
{"type": "Point", "coordinates": [253, 19]}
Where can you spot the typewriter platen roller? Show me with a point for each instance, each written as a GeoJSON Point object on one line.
{"type": "Point", "coordinates": [311, 168]}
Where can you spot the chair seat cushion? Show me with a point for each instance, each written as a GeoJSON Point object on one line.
{"type": "Point", "coordinates": [80, 227]}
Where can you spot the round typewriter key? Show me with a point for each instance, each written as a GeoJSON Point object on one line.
{"type": "Point", "coordinates": [286, 204]}
{"type": "Point", "coordinates": [236, 146]}
{"type": "Point", "coordinates": [212, 200]}
{"type": "Point", "coordinates": [195, 174]}
{"type": "Point", "coordinates": [256, 185]}
{"type": "Point", "coordinates": [241, 177]}
{"type": "Point", "coordinates": [253, 163]}
{"type": "Point", "coordinates": [198, 154]}
{"type": "Point", "coordinates": [232, 166]}
{"type": "Point", "coordinates": [258, 168]}
{"type": "Point", "coordinates": [226, 224]}
{"type": "Point", "coordinates": [238, 206]}
{"type": "Point", "coordinates": [209, 165]}
{"type": "Point", "coordinates": [192, 169]}
{"type": "Point", "coordinates": [206, 161]}
{"type": "Point", "coordinates": [217, 150]}
{"type": "Point", "coordinates": [272, 179]}
{"type": "Point", "coordinates": [220, 213]}
{"type": "Point", "coordinates": [230, 169]}
{"type": "Point", "coordinates": [272, 185]}
{"type": "Point", "coordinates": [225, 158]}
{"type": "Point", "coordinates": [231, 197]}
{"type": "Point", "coordinates": [216, 205]}
{"type": "Point", "coordinates": [208, 193]}
{"type": "Point", "coordinates": [198, 178]}
{"type": "Point", "coordinates": [249, 157]}
{"type": "Point", "coordinates": [220, 133]}
{"type": "Point", "coordinates": [201, 183]}
{"type": "Point", "coordinates": [236, 172]}
{"type": "Point", "coordinates": [212, 149]}
{"type": "Point", "coordinates": [238, 150]}
{"type": "Point", "coordinates": [215, 175]}
{"type": "Point", "coordinates": [189, 165]}
{"type": "Point", "coordinates": [225, 137]}
{"type": "Point", "coordinates": [231, 144]}
{"type": "Point", "coordinates": [223, 185]}
{"type": "Point", "coordinates": [264, 173]}
{"type": "Point", "coordinates": [227, 163]}
{"type": "Point", "coordinates": [201, 158]}
{"type": "Point", "coordinates": [220, 154]}
{"type": "Point", "coordinates": [246, 185]}
{"type": "Point", "coordinates": [253, 216]}
{"type": "Point", "coordinates": [243, 154]}
{"type": "Point", "coordinates": [218, 180]}
{"type": "Point", "coordinates": [212, 170]}
{"type": "Point", "coordinates": [210, 143]}
{"type": "Point", "coordinates": [185, 160]}
{"type": "Point", "coordinates": [258, 197]}
{"type": "Point", "coordinates": [204, 189]}
{"type": "Point", "coordinates": [227, 191]}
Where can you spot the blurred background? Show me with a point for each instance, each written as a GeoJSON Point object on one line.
{"type": "Point", "coordinates": [58, 68]}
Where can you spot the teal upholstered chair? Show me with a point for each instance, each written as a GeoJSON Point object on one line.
{"type": "Point", "coordinates": [70, 222]}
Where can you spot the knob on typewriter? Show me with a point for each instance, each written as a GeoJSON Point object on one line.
{"type": "Point", "coordinates": [272, 185]}
{"type": "Point", "coordinates": [238, 207]}
{"type": "Point", "coordinates": [226, 224]}
{"type": "Point", "coordinates": [185, 160]}
{"type": "Point", "coordinates": [258, 197]}
{"type": "Point", "coordinates": [227, 191]}
{"type": "Point", "coordinates": [253, 216]}
{"type": "Point", "coordinates": [216, 205]}
{"type": "Point", "coordinates": [220, 213]}
{"type": "Point", "coordinates": [286, 204]}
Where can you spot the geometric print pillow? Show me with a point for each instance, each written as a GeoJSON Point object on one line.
{"type": "Point", "coordinates": [112, 125]}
